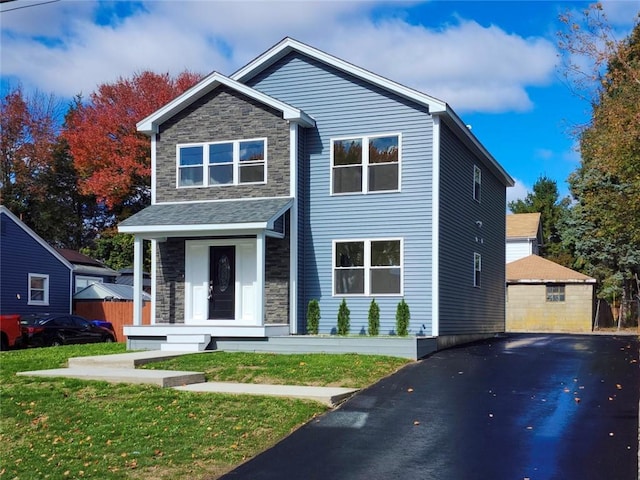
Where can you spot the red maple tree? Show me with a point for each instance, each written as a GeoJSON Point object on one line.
{"type": "Point", "coordinates": [112, 158]}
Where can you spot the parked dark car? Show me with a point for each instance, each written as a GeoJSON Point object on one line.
{"type": "Point", "coordinates": [51, 330]}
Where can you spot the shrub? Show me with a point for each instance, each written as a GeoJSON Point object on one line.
{"type": "Point", "coordinates": [313, 317]}
{"type": "Point", "coordinates": [402, 319]}
{"type": "Point", "coordinates": [343, 318]}
{"type": "Point", "coordinates": [374, 318]}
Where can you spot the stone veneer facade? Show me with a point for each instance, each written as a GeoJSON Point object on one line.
{"type": "Point", "coordinates": [222, 115]}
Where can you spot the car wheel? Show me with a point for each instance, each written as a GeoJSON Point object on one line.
{"type": "Point", "coordinates": [108, 339]}
{"type": "Point", "coordinates": [56, 342]}
{"type": "Point", "coordinates": [4, 344]}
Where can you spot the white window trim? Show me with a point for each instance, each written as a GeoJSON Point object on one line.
{"type": "Point", "coordinates": [477, 267]}
{"type": "Point", "coordinates": [45, 301]}
{"type": "Point", "coordinates": [478, 171]}
{"type": "Point", "coordinates": [236, 162]}
{"type": "Point", "coordinates": [365, 163]}
{"type": "Point", "coordinates": [367, 267]}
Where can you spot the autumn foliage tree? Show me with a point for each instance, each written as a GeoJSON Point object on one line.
{"type": "Point", "coordinates": [111, 157]}
{"type": "Point", "coordinates": [27, 139]}
{"type": "Point", "coordinates": [604, 225]}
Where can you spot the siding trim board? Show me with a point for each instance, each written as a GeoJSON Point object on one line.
{"type": "Point", "coordinates": [435, 236]}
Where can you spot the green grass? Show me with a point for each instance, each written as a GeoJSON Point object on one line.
{"type": "Point", "coordinates": [65, 428]}
{"type": "Point", "coordinates": [349, 370]}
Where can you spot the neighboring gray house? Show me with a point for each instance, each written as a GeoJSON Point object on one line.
{"type": "Point", "coordinates": [87, 270]}
{"type": "Point", "coordinates": [305, 177]}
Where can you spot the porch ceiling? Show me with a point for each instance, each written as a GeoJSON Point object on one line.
{"type": "Point", "coordinates": [165, 219]}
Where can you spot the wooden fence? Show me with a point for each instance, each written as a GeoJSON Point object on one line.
{"type": "Point", "coordinates": [118, 313]}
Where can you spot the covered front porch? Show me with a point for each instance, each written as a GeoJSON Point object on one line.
{"type": "Point", "coordinates": [219, 269]}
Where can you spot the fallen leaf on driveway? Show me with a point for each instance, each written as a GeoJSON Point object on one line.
{"type": "Point", "coordinates": [618, 386]}
{"type": "Point", "coordinates": [416, 422]}
{"type": "Point", "coordinates": [409, 389]}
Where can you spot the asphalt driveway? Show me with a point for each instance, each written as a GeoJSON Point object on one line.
{"type": "Point", "coordinates": [516, 407]}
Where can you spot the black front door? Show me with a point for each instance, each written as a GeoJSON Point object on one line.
{"type": "Point", "coordinates": [222, 280]}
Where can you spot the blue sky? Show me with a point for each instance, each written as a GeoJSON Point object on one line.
{"type": "Point", "coordinates": [493, 62]}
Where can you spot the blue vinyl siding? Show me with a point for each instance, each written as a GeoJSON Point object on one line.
{"type": "Point", "coordinates": [463, 308]}
{"type": "Point", "coordinates": [345, 106]}
{"type": "Point", "coordinates": [21, 254]}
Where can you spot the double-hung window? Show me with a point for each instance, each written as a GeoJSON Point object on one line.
{"type": "Point", "coordinates": [222, 163]}
{"type": "Point", "coordinates": [477, 182]}
{"type": "Point", "coordinates": [477, 269]}
{"type": "Point", "coordinates": [367, 267]}
{"type": "Point", "coordinates": [365, 164]}
{"type": "Point", "coordinates": [38, 289]}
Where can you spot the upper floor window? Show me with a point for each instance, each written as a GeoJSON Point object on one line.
{"type": "Point", "coordinates": [477, 182]}
{"type": "Point", "coordinates": [222, 163]}
{"type": "Point", "coordinates": [477, 269]}
{"type": "Point", "coordinates": [555, 293]}
{"type": "Point", "coordinates": [365, 164]}
{"type": "Point", "coordinates": [38, 289]}
{"type": "Point", "coordinates": [367, 267]}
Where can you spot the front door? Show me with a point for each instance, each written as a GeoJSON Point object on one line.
{"type": "Point", "coordinates": [222, 280]}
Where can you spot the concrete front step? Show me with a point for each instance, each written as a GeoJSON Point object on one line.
{"type": "Point", "coordinates": [330, 396]}
{"type": "Point", "coordinates": [162, 378]}
{"type": "Point", "coordinates": [124, 360]}
{"type": "Point", "coordinates": [186, 343]}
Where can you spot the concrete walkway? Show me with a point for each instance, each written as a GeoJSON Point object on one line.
{"type": "Point", "coordinates": [121, 368]}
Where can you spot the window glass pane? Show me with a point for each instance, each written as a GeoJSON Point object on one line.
{"type": "Point", "coordinates": [347, 152]}
{"type": "Point", "coordinates": [383, 177]}
{"type": "Point", "coordinates": [350, 281]}
{"type": "Point", "coordinates": [347, 179]}
{"type": "Point", "coordinates": [190, 156]}
{"type": "Point", "coordinates": [37, 295]}
{"type": "Point", "coordinates": [37, 282]}
{"type": "Point", "coordinates": [220, 174]}
{"type": "Point", "coordinates": [385, 253]}
{"type": "Point", "coordinates": [190, 176]}
{"type": "Point", "coordinates": [251, 173]}
{"type": "Point", "coordinates": [221, 153]}
{"type": "Point", "coordinates": [349, 254]}
{"type": "Point", "coordinates": [383, 149]}
{"type": "Point", "coordinates": [252, 150]}
{"type": "Point", "coordinates": [385, 280]}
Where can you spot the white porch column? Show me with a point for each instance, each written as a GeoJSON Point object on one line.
{"type": "Point", "coordinates": [137, 280]}
{"type": "Point", "coordinates": [260, 261]}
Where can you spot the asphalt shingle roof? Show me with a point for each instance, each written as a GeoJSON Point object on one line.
{"type": "Point", "coordinates": [208, 213]}
{"type": "Point", "coordinates": [534, 269]}
{"type": "Point", "coordinates": [523, 225]}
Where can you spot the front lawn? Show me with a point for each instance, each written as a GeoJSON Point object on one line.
{"type": "Point", "coordinates": [67, 428]}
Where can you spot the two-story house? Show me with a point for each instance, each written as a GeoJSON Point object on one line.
{"type": "Point", "coordinates": [302, 177]}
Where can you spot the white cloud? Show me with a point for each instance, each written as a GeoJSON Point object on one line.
{"type": "Point", "coordinates": [518, 192]}
{"type": "Point", "coordinates": [473, 68]}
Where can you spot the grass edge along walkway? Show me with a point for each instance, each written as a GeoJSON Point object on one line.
{"type": "Point", "coordinates": [64, 428]}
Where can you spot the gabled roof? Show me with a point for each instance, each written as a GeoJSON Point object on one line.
{"type": "Point", "coordinates": [435, 106]}
{"type": "Point", "coordinates": [535, 269]}
{"type": "Point", "coordinates": [35, 236]}
{"type": "Point", "coordinates": [211, 82]}
{"type": "Point", "coordinates": [85, 265]}
{"type": "Point", "coordinates": [221, 215]}
{"type": "Point", "coordinates": [523, 225]}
